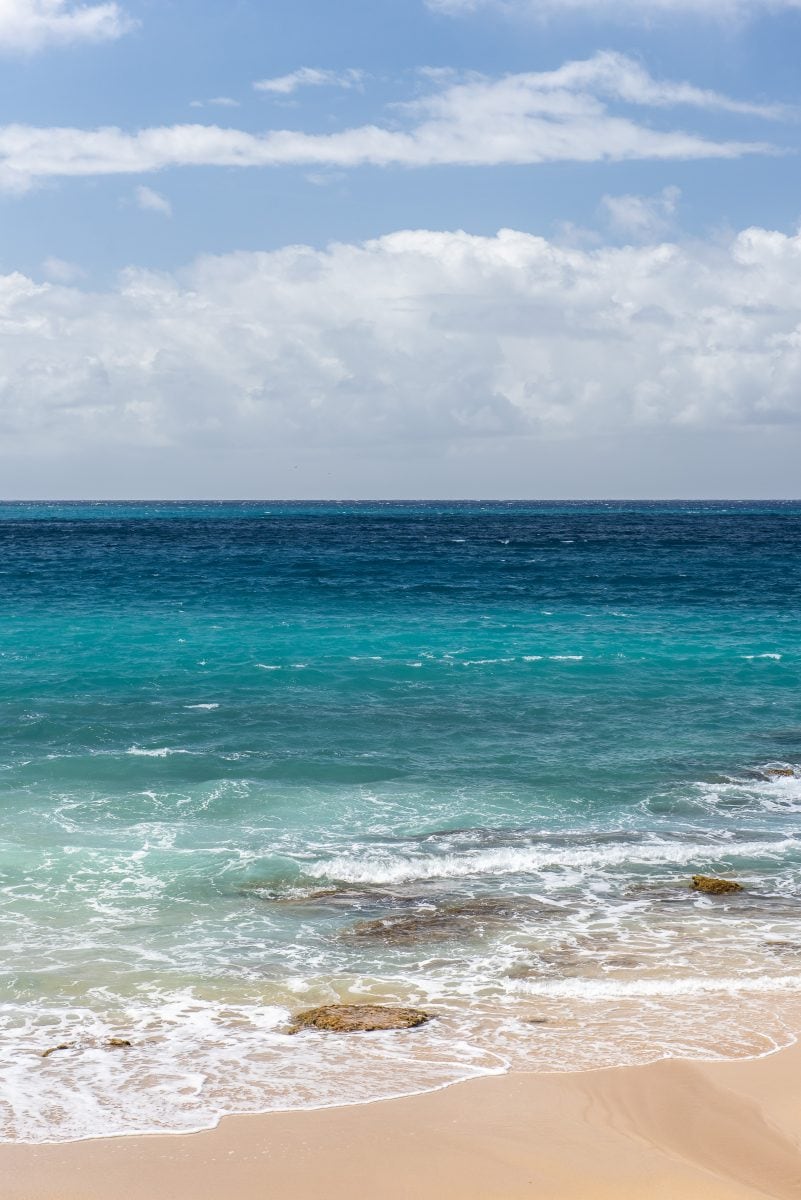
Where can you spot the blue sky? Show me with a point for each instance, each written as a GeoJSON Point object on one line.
{"type": "Point", "coordinates": [253, 249]}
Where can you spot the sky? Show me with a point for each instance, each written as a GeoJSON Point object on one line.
{"type": "Point", "coordinates": [400, 249]}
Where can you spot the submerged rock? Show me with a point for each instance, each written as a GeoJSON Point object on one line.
{"type": "Point", "coordinates": [358, 1018]}
{"type": "Point", "coordinates": [779, 947]}
{"type": "Point", "coordinates": [446, 921]}
{"type": "Point", "coordinates": [714, 887]}
{"type": "Point", "coordinates": [115, 1043]}
{"type": "Point", "coordinates": [332, 897]}
{"type": "Point", "coordinates": [55, 1049]}
{"type": "Point", "coordinates": [623, 962]}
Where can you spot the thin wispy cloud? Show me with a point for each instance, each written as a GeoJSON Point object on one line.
{"type": "Point", "coordinates": [642, 217]}
{"type": "Point", "coordinates": [59, 270]}
{"type": "Point", "coordinates": [285, 85]}
{"type": "Point", "coordinates": [27, 26]}
{"type": "Point", "coordinates": [622, 10]}
{"type": "Point", "coordinates": [216, 102]}
{"type": "Point", "coordinates": [581, 112]}
{"type": "Point", "coordinates": [151, 201]}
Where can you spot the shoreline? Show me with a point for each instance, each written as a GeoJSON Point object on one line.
{"type": "Point", "coordinates": [705, 1130]}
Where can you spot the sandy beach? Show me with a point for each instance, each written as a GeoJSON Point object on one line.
{"type": "Point", "coordinates": [702, 1131]}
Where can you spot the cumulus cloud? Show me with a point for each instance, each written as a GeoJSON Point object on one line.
{"type": "Point", "coordinates": [151, 201]}
{"type": "Point", "coordinates": [30, 25]}
{"type": "Point", "coordinates": [626, 10]}
{"type": "Point", "coordinates": [429, 339]}
{"type": "Point", "coordinates": [285, 85]}
{"type": "Point", "coordinates": [576, 113]}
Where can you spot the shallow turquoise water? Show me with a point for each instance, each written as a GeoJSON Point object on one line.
{"type": "Point", "coordinates": [258, 756]}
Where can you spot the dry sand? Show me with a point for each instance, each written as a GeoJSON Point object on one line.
{"type": "Point", "coordinates": [723, 1131]}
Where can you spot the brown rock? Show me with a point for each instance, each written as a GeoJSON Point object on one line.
{"type": "Point", "coordinates": [780, 773]}
{"type": "Point", "coordinates": [358, 1018]}
{"type": "Point", "coordinates": [714, 887]}
{"type": "Point", "coordinates": [444, 922]}
{"type": "Point", "coordinates": [115, 1043]}
{"type": "Point", "coordinates": [55, 1049]}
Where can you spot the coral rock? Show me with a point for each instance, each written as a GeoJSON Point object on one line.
{"type": "Point", "coordinates": [358, 1018]}
{"type": "Point", "coordinates": [714, 887]}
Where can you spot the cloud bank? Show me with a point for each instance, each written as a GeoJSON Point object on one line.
{"type": "Point", "coordinates": [535, 117]}
{"type": "Point", "coordinates": [31, 25]}
{"type": "Point", "coordinates": [423, 339]}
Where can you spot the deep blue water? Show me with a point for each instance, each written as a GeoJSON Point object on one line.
{"type": "Point", "coordinates": [232, 732]}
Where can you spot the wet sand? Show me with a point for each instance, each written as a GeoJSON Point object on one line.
{"type": "Point", "coordinates": [699, 1131]}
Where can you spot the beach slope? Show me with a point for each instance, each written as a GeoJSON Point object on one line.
{"type": "Point", "coordinates": [701, 1131]}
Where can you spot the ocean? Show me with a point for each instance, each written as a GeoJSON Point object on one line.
{"type": "Point", "coordinates": [466, 756]}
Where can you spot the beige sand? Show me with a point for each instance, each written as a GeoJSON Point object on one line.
{"type": "Point", "coordinates": [727, 1131]}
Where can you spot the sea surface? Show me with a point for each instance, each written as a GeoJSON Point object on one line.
{"type": "Point", "coordinates": [257, 757]}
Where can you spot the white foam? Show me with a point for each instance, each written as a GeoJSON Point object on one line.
{"type": "Point", "coordinates": [385, 868]}
{"type": "Point", "coordinates": [607, 989]}
{"type": "Point", "coordinates": [751, 657]}
{"type": "Point", "coordinates": [776, 793]}
{"type": "Point", "coordinates": [202, 707]}
{"type": "Point", "coordinates": [160, 752]}
{"type": "Point", "coordinates": [485, 662]}
{"type": "Point", "coordinates": [202, 1060]}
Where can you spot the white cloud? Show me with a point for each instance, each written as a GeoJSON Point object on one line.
{"type": "Point", "coordinates": [622, 78]}
{"type": "Point", "coordinates": [626, 10]}
{"type": "Point", "coordinates": [58, 270]}
{"type": "Point", "coordinates": [642, 217]}
{"type": "Point", "coordinates": [552, 116]}
{"type": "Point", "coordinates": [151, 201]}
{"type": "Point", "coordinates": [420, 339]}
{"type": "Point", "coordinates": [215, 102]}
{"type": "Point", "coordinates": [285, 85]}
{"type": "Point", "coordinates": [30, 25]}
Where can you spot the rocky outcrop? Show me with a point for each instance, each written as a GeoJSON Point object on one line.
{"type": "Point", "coordinates": [358, 1018]}
{"type": "Point", "coordinates": [444, 922]}
{"type": "Point", "coordinates": [780, 773]}
{"type": "Point", "coordinates": [714, 887]}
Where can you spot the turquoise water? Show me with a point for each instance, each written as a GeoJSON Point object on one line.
{"type": "Point", "coordinates": [260, 756]}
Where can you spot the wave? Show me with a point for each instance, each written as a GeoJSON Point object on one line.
{"type": "Point", "coordinates": [529, 859]}
{"type": "Point", "coordinates": [484, 662]}
{"type": "Point", "coordinates": [160, 752]}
